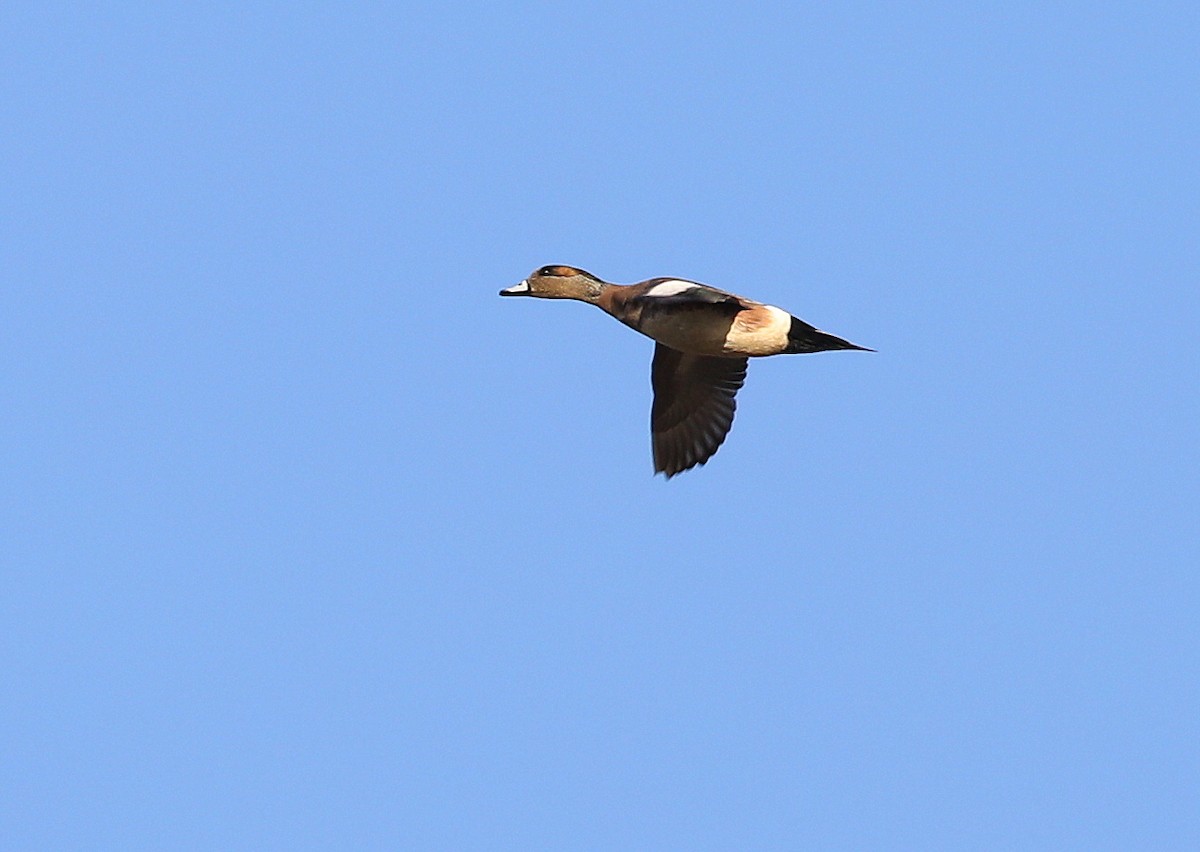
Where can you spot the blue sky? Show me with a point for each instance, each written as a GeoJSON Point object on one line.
{"type": "Point", "coordinates": [312, 541]}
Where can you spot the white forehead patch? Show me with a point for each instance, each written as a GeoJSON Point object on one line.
{"type": "Point", "coordinates": [671, 288]}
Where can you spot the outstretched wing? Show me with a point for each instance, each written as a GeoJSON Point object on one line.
{"type": "Point", "coordinates": [693, 406]}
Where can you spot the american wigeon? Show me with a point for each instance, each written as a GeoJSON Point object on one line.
{"type": "Point", "coordinates": [703, 338]}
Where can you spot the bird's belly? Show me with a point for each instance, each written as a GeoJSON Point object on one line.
{"type": "Point", "coordinates": [686, 335]}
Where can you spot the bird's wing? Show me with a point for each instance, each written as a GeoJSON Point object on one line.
{"type": "Point", "coordinates": [676, 293]}
{"type": "Point", "coordinates": [693, 406]}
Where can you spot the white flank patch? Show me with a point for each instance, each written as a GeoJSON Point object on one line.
{"type": "Point", "coordinates": [768, 339]}
{"type": "Point", "coordinates": [670, 288]}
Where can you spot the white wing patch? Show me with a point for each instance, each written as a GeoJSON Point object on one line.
{"type": "Point", "coordinates": [671, 288]}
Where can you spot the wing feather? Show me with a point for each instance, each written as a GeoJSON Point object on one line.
{"type": "Point", "coordinates": [694, 405]}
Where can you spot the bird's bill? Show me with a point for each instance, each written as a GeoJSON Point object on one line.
{"type": "Point", "coordinates": [521, 289]}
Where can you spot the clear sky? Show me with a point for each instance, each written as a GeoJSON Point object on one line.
{"type": "Point", "coordinates": [310, 540]}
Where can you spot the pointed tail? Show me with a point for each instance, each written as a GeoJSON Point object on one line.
{"type": "Point", "coordinates": [803, 337]}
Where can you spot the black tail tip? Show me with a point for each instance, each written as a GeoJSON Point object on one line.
{"type": "Point", "coordinates": [802, 337]}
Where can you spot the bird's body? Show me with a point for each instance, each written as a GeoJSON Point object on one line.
{"type": "Point", "coordinates": [699, 319]}
{"type": "Point", "coordinates": [703, 338]}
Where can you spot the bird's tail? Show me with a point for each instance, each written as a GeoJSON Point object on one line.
{"type": "Point", "coordinates": [803, 337]}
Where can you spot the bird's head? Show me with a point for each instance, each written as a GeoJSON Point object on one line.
{"type": "Point", "coordinates": [558, 282]}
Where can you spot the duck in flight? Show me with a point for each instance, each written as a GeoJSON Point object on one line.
{"type": "Point", "coordinates": [703, 338]}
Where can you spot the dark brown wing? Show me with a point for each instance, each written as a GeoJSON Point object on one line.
{"type": "Point", "coordinates": [693, 406]}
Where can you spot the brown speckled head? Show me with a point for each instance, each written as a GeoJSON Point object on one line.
{"type": "Point", "coordinates": [559, 282]}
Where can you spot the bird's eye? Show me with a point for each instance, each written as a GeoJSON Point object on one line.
{"type": "Point", "coordinates": [548, 270]}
